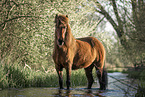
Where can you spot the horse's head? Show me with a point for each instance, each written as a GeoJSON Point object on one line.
{"type": "Point", "coordinates": [61, 28]}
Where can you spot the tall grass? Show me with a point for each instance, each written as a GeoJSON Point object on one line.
{"type": "Point", "coordinates": [139, 75]}
{"type": "Point", "coordinates": [16, 76]}
{"type": "Point", "coordinates": [141, 89]}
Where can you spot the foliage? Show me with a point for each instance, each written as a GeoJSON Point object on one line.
{"type": "Point", "coordinates": [14, 76]}
{"type": "Point", "coordinates": [127, 19]}
{"type": "Point", "coordinates": [27, 29]}
{"type": "Point", "coordinates": [27, 35]}
{"type": "Point", "coordinates": [140, 90]}
{"type": "Point", "coordinates": [139, 74]}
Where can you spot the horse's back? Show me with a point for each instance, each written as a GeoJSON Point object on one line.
{"type": "Point", "coordinates": [97, 45]}
{"type": "Point", "coordinates": [94, 42]}
{"type": "Point", "coordinates": [88, 40]}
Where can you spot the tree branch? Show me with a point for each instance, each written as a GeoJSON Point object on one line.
{"type": "Point", "coordinates": [118, 28]}
{"type": "Point", "coordinates": [120, 25]}
{"type": "Point", "coordinates": [14, 18]}
{"type": "Point", "coordinates": [15, 3]}
{"type": "Point", "coordinates": [108, 17]}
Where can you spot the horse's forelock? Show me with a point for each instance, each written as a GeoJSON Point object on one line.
{"type": "Point", "coordinates": [62, 18]}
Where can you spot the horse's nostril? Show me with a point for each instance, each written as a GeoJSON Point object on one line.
{"type": "Point", "coordinates": [60, 41]}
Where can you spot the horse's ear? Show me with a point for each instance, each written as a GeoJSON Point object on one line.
{"type": "Point", "coordinates": [67, 16]}
{"type": "Point", "coordinates": [56, 16]}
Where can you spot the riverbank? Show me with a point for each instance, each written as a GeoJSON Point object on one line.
{"type": "Point", "coordinates": [139, 75]}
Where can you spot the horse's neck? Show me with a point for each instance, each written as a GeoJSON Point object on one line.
{"type": "Point", "coordinates": [70, 40]}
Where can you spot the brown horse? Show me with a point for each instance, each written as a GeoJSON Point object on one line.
{"type": "Point", "coordinates": [72, 54]}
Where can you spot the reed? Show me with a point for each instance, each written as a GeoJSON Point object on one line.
{"type": "Point", "coordinates": [141, 89]}
{"type": "Point", "coordinates": [16, 76]}
{"type": "Point", "coordinates": [138, 75]}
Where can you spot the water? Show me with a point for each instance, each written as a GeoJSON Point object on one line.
{"type": "Point", "coordinates": [115, 89]}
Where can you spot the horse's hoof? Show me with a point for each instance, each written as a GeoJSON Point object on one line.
{"type": "Point", "coordinates": [102, 88]}
{"type": "Point", "coordinates": [88, 88]}
{"type": "Point", "coordinates": [61, 88]}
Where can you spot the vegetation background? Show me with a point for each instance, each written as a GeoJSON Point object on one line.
{"type": "Point", "coordinates": [27, 35]}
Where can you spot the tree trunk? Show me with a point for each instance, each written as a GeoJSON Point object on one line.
{"type": "Point", "coordinates": [117, 26]}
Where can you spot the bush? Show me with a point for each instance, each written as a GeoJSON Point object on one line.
{"type": "Point", "coordinates": [141, 89]}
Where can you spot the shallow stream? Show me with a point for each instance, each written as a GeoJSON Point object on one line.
{"type": "Point", "coordinates": [119, 86]}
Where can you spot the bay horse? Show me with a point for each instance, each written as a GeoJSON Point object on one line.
{"type": "Point", "coordinates": [73, 54]}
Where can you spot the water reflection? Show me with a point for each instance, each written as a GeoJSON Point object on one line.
{"type": "Point", "coordinates": [89, 93]}
{"type": "Point", "coordinates": [63, 93]}
{"type": "Point", "coordinates": [78, 92]}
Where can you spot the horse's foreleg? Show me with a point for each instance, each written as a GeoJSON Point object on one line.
{"type": "Point", "coordinates": [60, 75]}
{"type": "Point", "coordinates": [89, 75]}
{"type": "Point", "coordinates": [68, 75]}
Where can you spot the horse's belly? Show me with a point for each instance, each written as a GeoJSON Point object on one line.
{"type": "Point", "coordinates": [82, 64]}
{"type": "Point", "coordinates": [83, 60]}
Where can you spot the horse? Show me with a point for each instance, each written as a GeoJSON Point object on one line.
{"type": "Point", "coordinates": [73, 54]}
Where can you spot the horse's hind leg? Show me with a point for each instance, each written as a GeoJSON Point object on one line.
{"type": "Point", "coordinates": [89, 75]}
{"type": "Point", "coordinates": [102, 76]}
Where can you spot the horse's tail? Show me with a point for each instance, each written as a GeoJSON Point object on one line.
{"type": "Point", "coordinates": [103, 78]}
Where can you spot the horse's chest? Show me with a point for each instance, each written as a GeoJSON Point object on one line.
{"type": "Point", "coordinates": [62, 56]}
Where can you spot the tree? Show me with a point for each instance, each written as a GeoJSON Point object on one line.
{"type": "Point", "coordinates": [27, 28]}
{"type": "Point", "coordinates": [128, 20]}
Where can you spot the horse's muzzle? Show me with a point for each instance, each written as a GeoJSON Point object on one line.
{"type": "Point", "coordinates": [60, 42]}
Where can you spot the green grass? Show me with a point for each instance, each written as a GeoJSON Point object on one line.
{"type": "Point", "coordinates": [111, 71]}
{"type": "Point", "coordinates": [15, 76]}
{"type": "Point", "coordinates": [137, 74]}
